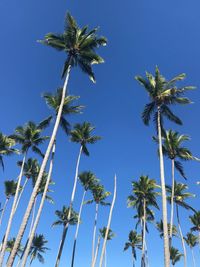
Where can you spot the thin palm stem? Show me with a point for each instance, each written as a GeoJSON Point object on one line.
{"type": "Point", "coordinates": [94, 232]}
{"type": "Point", "coordinates": [3, 211]}
{"type": "Point", "coordinates": [96, 252]}
{"type": "Point", "coordinates": [33, 217]}
{"type": "Point", "coordinates": [21, 193]}
{"type": "Point", "coordinates": [143, 260]}
{"type": "Point", "coordinates": [193, 258]}
{"type": "Point", "coordinates": [172, 207]}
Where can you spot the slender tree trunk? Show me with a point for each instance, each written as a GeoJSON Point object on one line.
{"type": "Point", "coordinates": [96, 252]}
{"type": "Point", "coordinates": [133, 257]}
{"type": "Point", "coordinates": [94, 232]}
{"type": "Point", "coordinates": [12, 212]}
{"type": "Point", "coordinates": [143, 260]}
{"type": "Point", "coordinates": [62, 242]}
{"type": "Point", "coordinates": [34, 226]}
{"type": "Point", "coordinates": [20, 195]}
{"type": "Point", "coordinates": [42, 169]}
{"type": "Point", "coordinates": [71, 202]}
{"type": "Point", "coordinates": [33, 217]}
{"type": "Point", "coordinates": [181, 235]}
{"type": "Point", "coordinates": [172, 207]}
{"type": "Point", "coordinates": [109, 222]}
{"type": "Point", "coordinates": [193, 258]}
{"type": "Point", "coordinates": [105, 258]}
{"type": "Point", "coordinates": [164, 198]}
{"type": "Point", "coordinates": [77, 229]}
{"type": "Point", "coordinates": [3, 211]}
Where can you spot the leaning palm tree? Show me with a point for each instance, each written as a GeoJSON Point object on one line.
{"type": "Point", "coordinates": [29, 137]}
{"type": "Point", "coordinates": [180, 197]}
{"type": "Point", "coordinates": [192, 241]}
{"type": "Point", "coordinates": [38, 248]}
{"type": "Point", "coordinates": [87, 180]}
{"type": "Point", "coordinates": [6, 147]}
{"type": "Point", "coordinates": [134, 242]}
{"type": "Point", "coordinates": [109, 237]}
{"type": "Point", "coordinates": [174, 150]}
{"type": "Point", "coordinates": [162, 94]}
{"type": "Point", "coordinates": [143, 196]}
{"type": "Point", "coordinates": [195, 220]}
{"type": "Point", "coordinates": [10, 189]}
{"type": "Point", "coordinates": [79, 44]}
{"type": "Point", "coordinates": [175, 255]}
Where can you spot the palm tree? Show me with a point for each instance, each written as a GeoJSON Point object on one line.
{"type": "Point", "coordinates": [6, 147]}
{"type": "Point", "coordinates": [38, 248]}
{"type": "Point", "coordinates": [143, 196]}
{"type": "Point", "coordinates": [173, 149]}
{"type": "Point", "coordinates": [191, 241]}
{"type": "Point", "coordinates": [134, 242]}
{"type": "Point", "coordinates": [179, 199]}
{"type": "Point", "coordinates": [175, 255]}
{"type": "Point", "coordinates": [10, 189]}
{"type": "Point", "coordinates": [99, 197]}
{"type": "Point", "coordinates": [162, 93]}
{"type": "Point", "coordinates": [159, 226]}
{"type": "Point", "coordinates": [64, 219]}
{"type": "Point", "coordinates": [9, 247]}
{"type": "Point", "coordinates": [87, 180]}
{"type": "Point", "coordinates": [108, 237]}
{"type": "Point", "coordinates": [195, 219]}
{"type": "Point", "coordinates": [80, 46]}
{"type": "Point", "coordinates": [29, 136]}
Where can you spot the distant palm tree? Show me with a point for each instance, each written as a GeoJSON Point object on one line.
{"type": "Point", "coordinates": [64, 219]}
{"type": "Point", "coordinates": [159, 226]}
{"type": "Point", "coordinates": [175, 255]}
{"type": "Point", "coordinates": [87, 180]}
{"type": "Point", "coordinates": [195, 219]}
{"type": "Point", "coordinates": [191, 241]}
{"type": "Point", "coordinates": [162, 93]}
{"type": "Point", "coordinates": [143, 196]}
{"type": "Point", "coordinates": [109, 237]}
{"type": "Point", "coordinates": [38, 248]}
{"type": "Point", "coordinates": [134, 242]}
{"type": "Point", "coordinates": [6, 147]}
{"type": "Point", "coordinates": [9, 247]}
{"type": "Point", "coordinates": [29, 136]}
{"type": "Point", "coordinates": [180, 197]}
{"type": "Point", "coordinates": [80, 46]}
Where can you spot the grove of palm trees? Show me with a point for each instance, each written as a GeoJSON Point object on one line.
{"type": "Point", "coordinates": [99, 138]}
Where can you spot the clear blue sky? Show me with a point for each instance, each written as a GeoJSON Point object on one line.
{"type": "Point", "coordinates": [141, 34]}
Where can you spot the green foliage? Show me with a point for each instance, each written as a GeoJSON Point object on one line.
{"type": "Point", "coordinates": [134, 242]}
{"type": "Point", "coordinates": [10, 188]}
{"type": "Point", "coordinates": [103, 233]}
{"type": "Point", "coordinates": [195, 219]}
{"type": "Point", "coordinates": [63, 217]}
{"type": "Point", "coordinates": [175, 255]}
{"type": "Point", "coordinates": [38, 248]}
{"type": "Point", "coordinates": [191, 240]}
{"type": "Point", "coordinates": [159, 226]}
{"type": "Point", "coordinates": [87, 179]}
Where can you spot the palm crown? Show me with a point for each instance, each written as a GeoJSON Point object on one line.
{"type": "Point", "coordinates": [175, 255]}
{"type": "Point", "coordinates": [191, 240]}
{"type": "Point", "coordinates": [195, 219]}
{"type": "Point", "coordinates": [134, 241]}
{"type": "Point", "coordinates": [63, 217]}
{"type": "Point", "coordinates": [159, 226]}
{"type": "Point", "coordinates": [31, 168]}
{"type": "Point", "coordinates": [99, 194]}
{"type": "Point", "coordinates": [87, 179]}
{"type": "Point", "coordinates": [10, 244]}
{"type": "Point", "coordinates": [103, 233]}
{"type": "Point", "coordinates": [82, 134]}
{"type": "Point", "coordinates": [38, 247]}
{"type": "Point", "coordinates": [54, 100]}
{"type": "Point", "coordinates": [10, 188]}
{"type": "Point", "coordinates": [79, 44]}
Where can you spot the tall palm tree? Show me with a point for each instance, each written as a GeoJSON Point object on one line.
{"type": "Point", "coordinates": [191, 241]}
{"type": "Point", "coordinates": [99, 197]}
{"type": "Point", "coordinates": [29, 137]}
{"type": "Point", "coordinates": [10, 189]}
{"type": "Point", "coordinates": [143, 196]}
{"type": "Point", "coordinates": [175, 255]}
{"type": "Point", "coordinates": [108, 237]}
{"type": "Point", "coordinates": [87, 180]}
{"type": "Point", "coordinates": [180, 197]}
{"type": "Point", "coordinates": [38, 248]}
{"type": "Point", "coordinates": [174, 150]}
{"type": "Point", "coordinates": [134, 242]}
{"type": "Point", "coordinates": [162, 93]}
{"type": "Point", "coordinates": [6, 147]}
{"type": "Point", "coordinates": [79, 44]}
{"type": "Point", "coordinates": [195, 220]}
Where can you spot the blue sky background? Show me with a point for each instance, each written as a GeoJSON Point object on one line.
{"type": "Point", "coordinates": [141, 35]}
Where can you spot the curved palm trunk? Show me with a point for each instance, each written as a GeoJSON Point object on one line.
{"type": "Point", "coordinates": [96, 252]}
{"type": "Point", "coordinates": [181, 235]}
{"type": "Point", "coordinates": [143, 259]}
{"type": "Point", "coordinates": [193, 258]}
{"type": "Point", "coordinates": [62, 242]}
{"type": "Point", "coordinates": [164, 199]}
{"type": "Point", "coordinates": [3, 211]}
{"type": "Point", "coordinates": [94, 232]}
{"type": "Point", "coordinates": [70, 206]}
{"type": "Point", "coordinates": [77, 229]}
{"type": "Point", "coordinates": [42, 169]}
{"type": "Point", "coordinates": [172, 207]}
{"type": "Point", "coordinates": [20, 195]}
{"type": "Point", "coordinates": [109, 222]}
{"type": "Point", "coordinates": [12, 212]}
{"type": "Point", "coordinates": [34, 226]}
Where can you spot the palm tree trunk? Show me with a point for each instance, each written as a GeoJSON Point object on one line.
{"type": "Point", "coordinates": [77, 229]}
{"type": "Point", "coordinates": [12, 212]}
{"type": "Point", "coordinates": [193, 258]}
{"type": "Point", "coordinates": [42, 169]}
{"type": "Point", "coordinates": [72, 200]}
{"type": "Point", "coordinates": [109, 222]}
{"type": "Point", "coordinates": [105, 258]}
{"type": "Point", "coordinates": [181, 235]}
{"type": "Point", "coordinates": [34, 226]}
{"type": "Point", "coordinates": [164, 198]}
{"type": "Point", "coordinates": [94, 232]}
{"type": "Point", "coordinates": [33, 217]}
{"type": "Point", "coordinates": [143, 260]}
{"type": "Point", "coordinates": [172, 207]}
{"type": "Point", "coordinates": [62, 242]}
{"type": "Point", "coordinates": [21, 192]}
{"type": "Point", "coordinates": [96, 252]}
{"type": "Point", "coordinates": [3, 211]}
